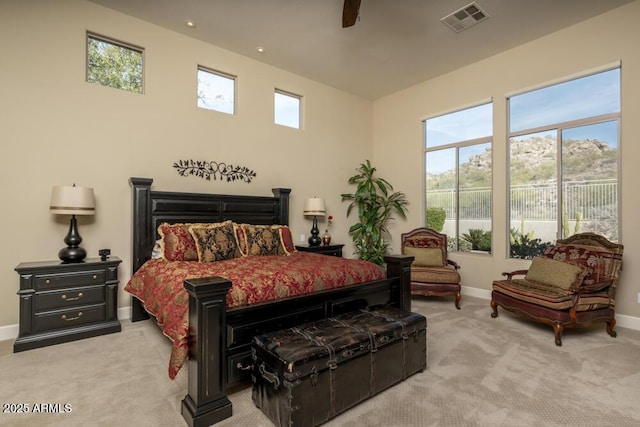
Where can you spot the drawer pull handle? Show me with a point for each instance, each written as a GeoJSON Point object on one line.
{"type": "Point", "coordinates": [47, 281]}
{"type": "Point", "coordinates": [242, 367]}
{"type": "Point", "coordinates": [70, 319]}
{"type": "Point", "coordinates": [64, 297]}
{"type": "Point", "coordinates": [95, 276]}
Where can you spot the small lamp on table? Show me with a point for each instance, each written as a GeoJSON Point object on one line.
{"type": "Point", "coordinates": [72, 200]}
{"type": "Point", "coordinates": [314, 207]}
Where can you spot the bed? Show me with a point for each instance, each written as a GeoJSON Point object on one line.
{"type": "Point", "coordinates": [220, 334]}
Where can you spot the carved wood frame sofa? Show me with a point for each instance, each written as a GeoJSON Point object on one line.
{"type": "Point", "coordinates": [432, 272]}
{"type": "Point", "coordinates": [573, 284]}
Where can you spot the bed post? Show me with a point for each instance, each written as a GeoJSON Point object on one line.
{"type": "Point", "coordinates": [283, 213]}
{"type": "Point", "coordinates": [400, 266]}
{"type": "Point", "coordinates": [206, 402]}
{"type": "Point", "coordinates": [142, 233]}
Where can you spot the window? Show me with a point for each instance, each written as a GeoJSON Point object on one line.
{"type": "Point", "coordinates": [564, 162]}
{"type": "Point", "coordinates": [216, 90]}
{"type": "Point", "coordinates": [458, 172]}
{"type": "Point", "coordinates": [287, 109]}
{"type": "Point", "coordinates": [114, 64]}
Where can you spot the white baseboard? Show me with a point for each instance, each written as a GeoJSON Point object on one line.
{"type": "Point", "coordinates": [10, 332]}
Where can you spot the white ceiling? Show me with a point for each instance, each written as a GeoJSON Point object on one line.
{"type": "Point", "coordinates": [393, 45]}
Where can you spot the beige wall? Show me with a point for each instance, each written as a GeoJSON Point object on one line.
{"type": "Point", "coordinates": [397, 131]}
{"type": "Point", "coordinates": [56, 129]}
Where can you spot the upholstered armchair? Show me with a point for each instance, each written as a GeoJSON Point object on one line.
{"type": "Point", "coordinates": [432, 273]}
{"type": "Point", "coordinates": [572, 284]}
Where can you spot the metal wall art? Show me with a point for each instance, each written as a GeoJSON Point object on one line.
{"type": "Point", "coordinates": [214, 170]}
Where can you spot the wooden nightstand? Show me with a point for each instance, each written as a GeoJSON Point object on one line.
{"type": "Point", "coordinates": [335, 250]}
{"type": "Point", "coordinates": [65, 302]}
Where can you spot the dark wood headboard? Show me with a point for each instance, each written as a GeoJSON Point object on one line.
{"type": "Point", "coordinates": [151, 208]}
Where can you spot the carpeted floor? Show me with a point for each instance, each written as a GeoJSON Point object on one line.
{"type": "Point", "coordinates": [480, 372]}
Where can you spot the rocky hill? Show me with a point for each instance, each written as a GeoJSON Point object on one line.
{"type": "Point", "coordinates": [533, 160]}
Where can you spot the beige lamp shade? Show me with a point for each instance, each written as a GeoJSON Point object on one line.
{"type": "Point", "coordinates": [72, 200]}
{"type": "Point", "coordinates": [314, 207]}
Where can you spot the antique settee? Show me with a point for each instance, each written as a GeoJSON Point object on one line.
{"type": "Point", "coordinates": [432, 273]}
{"type": "Point", "coordinates": [572, 284]}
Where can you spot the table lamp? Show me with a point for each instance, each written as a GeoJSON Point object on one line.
{"type": "Point", "coordinates": [314, 207]}
{"type": "Point", "coordinates": [72, 200]}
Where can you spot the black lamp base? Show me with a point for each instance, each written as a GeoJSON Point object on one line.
{"type": "Point", "coordinates": [73, 252]}
{"type": "Point", "coordinates": [69, 254]}
{"type": "Point", "coordinates": [315, 238]}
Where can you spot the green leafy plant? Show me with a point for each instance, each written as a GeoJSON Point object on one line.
{"type": "Point", "coordinates": [479, 239]}
{"type": "Point", "coordinates": [376, 203]}
{"type": "Point", "coordinates": [525, 246]}
{"type": "Point", "coordinates": [436, 218]}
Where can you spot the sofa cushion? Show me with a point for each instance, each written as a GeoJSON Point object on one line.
{"type": "Point", "coordinates": [556, 273]}
{"type": "Point", "coordinates": [426, 257]}
{"type": "Point", "coordinates": [446, 274]}
{"type": "Point", "coordinates": [551, 297]}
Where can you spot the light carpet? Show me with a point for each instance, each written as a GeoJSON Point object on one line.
{"type": "Point", "coordinates": [480, 372]}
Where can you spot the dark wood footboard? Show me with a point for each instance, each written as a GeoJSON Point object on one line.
{"type": "Point", "coordinates": [220, 339]}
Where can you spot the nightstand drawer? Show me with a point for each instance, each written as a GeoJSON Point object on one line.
{"type": "Point", "coordinates": [69, 318]}
{"type": "Point", "coordinates": [78, 278]}
{"type": "Point", "coordinates": [66, 298]}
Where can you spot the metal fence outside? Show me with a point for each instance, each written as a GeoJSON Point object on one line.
{"type": "Point", "coordinates": [589, 200]}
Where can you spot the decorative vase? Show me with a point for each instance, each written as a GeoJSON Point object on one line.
{"type": "Point", "coordinates": [326, 238]}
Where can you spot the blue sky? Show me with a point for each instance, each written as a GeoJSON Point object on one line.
{"type": "Point", "coordinates": [585, 97]}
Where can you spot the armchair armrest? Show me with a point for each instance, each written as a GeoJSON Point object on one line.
{"type": "Point", "coordinates": [453, 263]}
{"type": "Point", "coordinates": [510, 274]}
{"type": "Point", "coordinates": [593, 287]}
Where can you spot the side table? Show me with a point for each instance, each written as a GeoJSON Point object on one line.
{"type": "Point", "coordinates": [64, 302]}
{"type": "Point", "coordinates": [334, 250]}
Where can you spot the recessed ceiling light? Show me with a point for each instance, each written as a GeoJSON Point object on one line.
{"type": "Point", "coordinates": [189, 23]}
{"type": "Point", "coordinates": [260, 49]}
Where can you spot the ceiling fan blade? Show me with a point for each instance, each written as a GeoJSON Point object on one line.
{"type": "Point", "coordinates": [350, 12]}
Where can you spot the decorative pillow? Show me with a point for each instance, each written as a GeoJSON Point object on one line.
{"type": "Point", "coordinates": [242, 240]}
{"type": "Point", "coordinates": [556, 273]}
{"type": "Point", "coordinates": [177, 243]}
{"type": "Point", "coordinates": [263, 240]}
{"type": "Point", "coordinates": [215, 242]}
{"type": "Point", "coordinates": [425, 257]}
{"type": "Point", "coordinates": [287, 238]}
{"type": "Point", "coordinates": [595, 260]}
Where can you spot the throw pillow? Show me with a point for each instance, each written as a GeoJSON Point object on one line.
{"type": "Point", "coordinates": [263, 240]}
{"type": "Point", "coordinates": [215, 242]}
{"type": "Point", "coordinates": [425, 257]}
{"type": "Point", "coordinates": [556, 273]}
{"type": "Point", "coordinates": [176, 243]}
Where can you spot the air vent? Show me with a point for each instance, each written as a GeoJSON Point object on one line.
{"type": "Point", "coordinates": [465, 17]}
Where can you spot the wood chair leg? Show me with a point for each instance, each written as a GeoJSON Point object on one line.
{"type": "Point", "coordinates": [457, 302]}
{"type": "Point", "coordinates": [611, 323]}
{"type": "Point", "coordinates": [494, 306]}
{"type": "Point", "coordinates": [558, 328]}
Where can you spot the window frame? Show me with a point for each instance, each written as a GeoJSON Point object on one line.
{"type": "Point", "coordinates": [221, 74]}
{"type": "Point", "coordinates": [121, 44]}
{"type": "Point", "coordinates": [558, 128]}
{"type": "Point", "coordinates": [292, 95]}
{"type": "Point", "coordinates": [457, 146]}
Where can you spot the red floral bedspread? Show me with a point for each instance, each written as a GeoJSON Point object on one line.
{"type": "Point", "coordinates": [158, 284]}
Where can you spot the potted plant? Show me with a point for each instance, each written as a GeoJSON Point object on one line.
{"type": "Point", "coordinates": [376, 203]}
